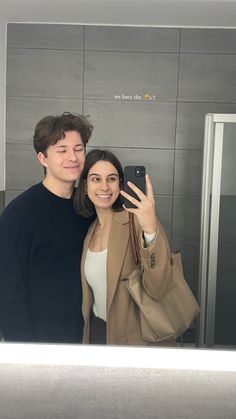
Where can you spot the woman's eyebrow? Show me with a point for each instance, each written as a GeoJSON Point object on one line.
{"type": "Point", "coordinates": [97, 174]}
{"type": "Point", "coordinates": [94, 174]}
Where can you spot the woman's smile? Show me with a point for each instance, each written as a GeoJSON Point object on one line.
{"type": "Point", "coordinates": [103, 185]}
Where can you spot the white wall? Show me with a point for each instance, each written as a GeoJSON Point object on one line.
{"type": "Point", "coordinates": [215, 13]}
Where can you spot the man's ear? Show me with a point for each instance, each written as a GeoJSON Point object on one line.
{"type": "Point", "coordinates": [42, 159]}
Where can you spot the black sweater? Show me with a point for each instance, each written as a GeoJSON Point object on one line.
{"type": "Point", "coordinates": [41, 240]}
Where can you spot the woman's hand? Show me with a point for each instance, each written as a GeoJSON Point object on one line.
{"type": "Point", "coordinates": [145, 210]}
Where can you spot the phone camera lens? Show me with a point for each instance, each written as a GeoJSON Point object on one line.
{"type": "Point", "coordinates": [139, 171]}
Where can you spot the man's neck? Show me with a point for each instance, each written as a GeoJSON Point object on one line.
{"type": "Point", "coordinates": [61, 189]}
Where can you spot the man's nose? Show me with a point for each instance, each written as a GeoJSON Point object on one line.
{"type": "Point", "coordinates": [72, 155]}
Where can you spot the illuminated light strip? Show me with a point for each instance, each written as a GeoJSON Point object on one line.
{"type": "Point", "coordinates": [118, 357]}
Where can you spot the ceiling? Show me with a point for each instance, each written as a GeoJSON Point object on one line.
{"type": "Point", "coordinates": [180, 13]}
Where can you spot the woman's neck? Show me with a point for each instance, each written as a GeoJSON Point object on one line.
{"type": "Point", "coordinates": [100, 238]}
{"type": "Point", "coordinates": [104, 217]}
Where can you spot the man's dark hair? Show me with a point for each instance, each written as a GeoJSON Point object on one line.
{"type": "Point", "coordinates": [51, 129]}
{"type": "Point", "coordinates": [82, 204]}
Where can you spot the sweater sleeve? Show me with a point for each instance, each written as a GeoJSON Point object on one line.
{"type": "Point", "coordinates": [14, 315]}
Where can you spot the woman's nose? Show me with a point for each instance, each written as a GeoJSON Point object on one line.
{"type": "Point", "coordinates": [104, 185]}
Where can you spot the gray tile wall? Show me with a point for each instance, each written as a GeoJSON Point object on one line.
{"type": "Point", "coordinates": [105, 72]}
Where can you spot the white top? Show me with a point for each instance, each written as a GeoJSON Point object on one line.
{"type": "Point", "coordinates": [96, 274]}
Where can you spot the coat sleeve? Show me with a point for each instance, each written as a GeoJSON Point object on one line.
{"type": "Point", "coordinates": [14, 314]}
{"type": "Point", "coordinates": [156, 267]}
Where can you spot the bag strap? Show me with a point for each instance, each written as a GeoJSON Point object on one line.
{"type": "Point", "coordinates": [134, 239]}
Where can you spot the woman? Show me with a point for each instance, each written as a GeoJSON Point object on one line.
{"type": "Point", "coordinates": [110, 314]}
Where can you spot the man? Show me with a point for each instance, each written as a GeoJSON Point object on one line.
{"type": "Point", "coordinates": [41, 239]}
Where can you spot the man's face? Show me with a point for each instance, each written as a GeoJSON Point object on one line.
{"type": "Point", "coordinates": [64, 160]}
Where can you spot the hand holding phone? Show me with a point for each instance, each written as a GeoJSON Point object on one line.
{"type": "Point", "coordinates": [142, 192]}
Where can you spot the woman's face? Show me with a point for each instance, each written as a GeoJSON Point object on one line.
{"type": "Point", "coordinates": [103, 185]}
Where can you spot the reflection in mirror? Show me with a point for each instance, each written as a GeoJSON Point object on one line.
{"type": "Point", "coordinates": [146, 92]}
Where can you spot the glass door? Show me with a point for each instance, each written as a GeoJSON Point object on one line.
{"type": "Point", "coordinates": [217, 290]}
{"type": "Point", "coordinates": [225, 312]}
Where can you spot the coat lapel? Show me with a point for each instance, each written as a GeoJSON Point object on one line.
{"type": "Point", "coordinates": [118, 242]}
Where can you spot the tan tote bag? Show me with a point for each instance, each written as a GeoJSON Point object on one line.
{"type": "Point", "coordinates": [168, 318]}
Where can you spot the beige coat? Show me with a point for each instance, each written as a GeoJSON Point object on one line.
{"type": "Point", "coordinates": [123, 325]}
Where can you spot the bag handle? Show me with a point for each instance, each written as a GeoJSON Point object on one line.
{"type": "Point", "coordinates": [134, 239]}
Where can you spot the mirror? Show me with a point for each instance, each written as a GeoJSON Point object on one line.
{"type": "Point", "coordinates": [46, 372]}
{"type": "Point", "coordinates": [146, 90]}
